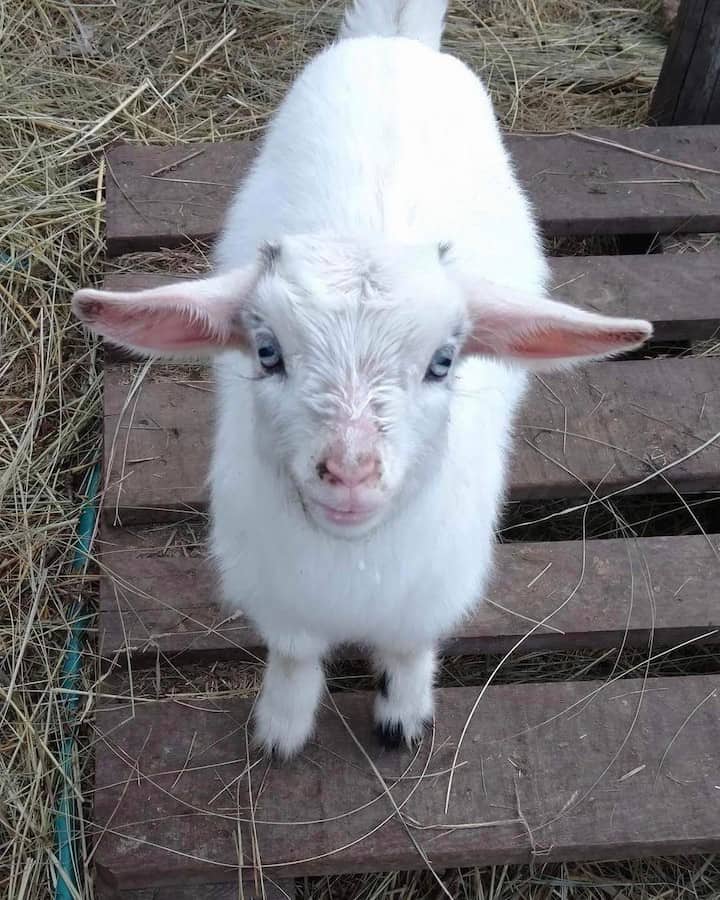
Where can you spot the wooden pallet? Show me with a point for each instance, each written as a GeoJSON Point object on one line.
{"type": "Point", "coordinates": [549, 771]}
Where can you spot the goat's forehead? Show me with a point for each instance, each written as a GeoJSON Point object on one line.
{"type": "Point", "coordinates": [330, 282]}
{"type": "Point", "coordinates": [363, 295]}
{"type": "Point", "coordinates": [358, 327]}
{"type": "Point", "coordinates": [348, 303]}
{"type": "Point", "coordinates": [330, 271]}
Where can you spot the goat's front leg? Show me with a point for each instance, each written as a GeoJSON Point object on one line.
{"type": "Point", "coordinates": [285, 710]}
{"type": "Point", "coordinates": [404, 702]}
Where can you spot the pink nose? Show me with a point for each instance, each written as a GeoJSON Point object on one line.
{"type": "Point", "coordinates": [339, 473]}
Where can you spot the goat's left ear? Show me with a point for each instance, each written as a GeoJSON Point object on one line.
{"type": "Point", "coordinates": [544, 334]}
{"type": "Point", "coordinates": [194, 317]}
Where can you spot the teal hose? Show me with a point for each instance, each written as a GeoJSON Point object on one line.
{"type": "Point", "coordinates": [65, 814]}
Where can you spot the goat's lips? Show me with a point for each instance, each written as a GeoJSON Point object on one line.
{"type": "Point", "coordinates": [349, 515]}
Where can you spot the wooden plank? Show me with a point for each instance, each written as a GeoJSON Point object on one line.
{"type": "Point", "coordinates": [626, 591]}
{"type": "Point", "coordinates": [608, 426]}
{"type": "Point", "coordinates": [270, 890]}
{"type": "Point", "coordinates": [186, 203]}
{"type": "Point", "coordinates": [679, 295]}
{"type": "Point", "coordinates": [578, 186]}
{"type": "Point", "coordinates": [140, 281]}
{"type": "Point", "coordinates": [688, 89]}
{"type": "Point", "coordinates": [568, 771]}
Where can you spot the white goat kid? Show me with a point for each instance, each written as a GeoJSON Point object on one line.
{"type": "Point", "coordinates": [381, 291]}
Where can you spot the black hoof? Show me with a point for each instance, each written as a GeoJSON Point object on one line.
{"type": "Point", "coordinates": [269, 752]}
{"type": "Point", "coordinates": [383, 685]}
{"type": "Point", "coordinates": [390, 734]}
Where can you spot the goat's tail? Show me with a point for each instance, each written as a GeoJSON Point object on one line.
{"type": "Point", "coordinates": [422, 20]}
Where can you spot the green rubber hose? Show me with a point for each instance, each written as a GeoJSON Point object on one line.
{"type": "Point", "coordinates": [66, 812]}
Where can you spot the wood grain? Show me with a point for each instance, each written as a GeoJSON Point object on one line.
{"type": "Point", "coordinates": [609, 427]}
{"type": "Point", "coordinates": [568, 771]}
{"type": "Point", "coordinates": [578, 186]}
{"type": "Point", "coordinates": [679, 294]}
{"type": "Point", "coordinates": [688, 89]}
{"type": "Point", "coordinates": [152, 604]}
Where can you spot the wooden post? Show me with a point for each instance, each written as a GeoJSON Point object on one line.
{"type": "Point", "coordinates": [688, 90]}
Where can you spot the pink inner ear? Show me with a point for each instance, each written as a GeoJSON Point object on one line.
{"type": "Point", "coordinates": [513, 324]}
{"type": "Point", "coordinates": [179, 332]}
{"type": "Point", "coordinates": [156, 326]}
{"type": "Point", "coordinates": [560, 341]}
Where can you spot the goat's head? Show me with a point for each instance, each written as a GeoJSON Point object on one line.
{"type": "Point", "coordinates": [354, 347]}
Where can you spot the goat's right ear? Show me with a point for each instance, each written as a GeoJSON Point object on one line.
{"type": "Point", "coordinates": [540, 333]}
{"type": "Point", "coordinates": [190, 318]}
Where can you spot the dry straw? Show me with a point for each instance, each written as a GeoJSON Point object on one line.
{"type": "Point", "coordinates": [77, 75]}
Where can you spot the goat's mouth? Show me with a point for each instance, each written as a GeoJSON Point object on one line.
{"type": "Point", "coordinates": [343, 514]}
{"type": "Point", "coordinates": [342, 519]}
{"type": "Point", "coordinates": [347, 515]}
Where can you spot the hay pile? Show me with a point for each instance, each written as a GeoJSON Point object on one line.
{"type": "Point", "coordinates": [77, 75]}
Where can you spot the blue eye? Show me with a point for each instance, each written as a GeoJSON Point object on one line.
{"type": "Point", "coordinates": [440, 364]}
{"type": "Point", "coordinates": [269, 354]}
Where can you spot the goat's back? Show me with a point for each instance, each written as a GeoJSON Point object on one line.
{"type": "Point", "coordinates": [389, 138]}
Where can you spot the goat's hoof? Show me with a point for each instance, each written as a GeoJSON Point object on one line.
{"type": "Point", "coordinates": [382, 685]}
{"type": "Point", "coordinates": [393, 735]}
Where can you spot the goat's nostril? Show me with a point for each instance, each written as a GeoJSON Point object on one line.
{"type": "Point", "coordinates": [326, 474]}
{"type": "Point", "coordinates": [350, 476]}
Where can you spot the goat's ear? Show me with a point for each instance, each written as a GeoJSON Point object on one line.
{"type": "Point", "coordinates": [194, 317]}
{"type": "Point", "coordinates": [542, 333]}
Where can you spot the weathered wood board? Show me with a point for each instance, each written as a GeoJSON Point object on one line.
{"type": "Point", "coordinates": [579, 186]}
{"type": "Point", "coordinates": [688, 89]}
{"type": "Point", "coordinates": [566, 771]}
{"type": "Point", "coordinates": [621, 592]}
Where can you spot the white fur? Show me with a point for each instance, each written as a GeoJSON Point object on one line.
{"type": "Point", "coordinates": [285, 710]}
{"type": "Point", "coordinates": [405, 705]}
{"type": "Point", "coordinates": [383, 150]}
{"type": "Point", "coordinates": [419, 19]}
{"type": "Point", "coordinates": [384, 141]}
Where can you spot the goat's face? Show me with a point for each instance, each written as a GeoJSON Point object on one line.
{"type": "Point", "coordinates": [354, 353]}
